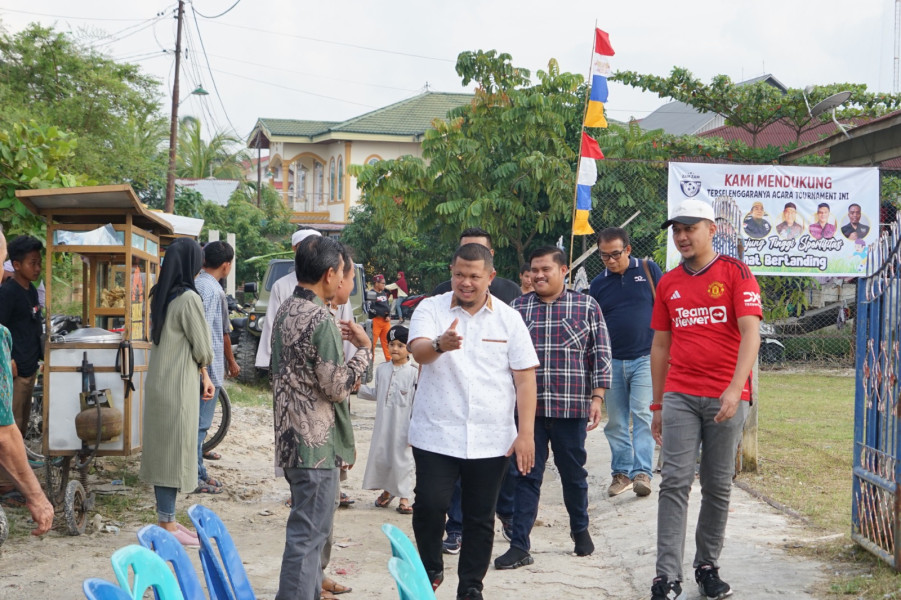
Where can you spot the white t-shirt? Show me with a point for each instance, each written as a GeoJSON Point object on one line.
{"type": "Point", "coordinates": [465, 399]}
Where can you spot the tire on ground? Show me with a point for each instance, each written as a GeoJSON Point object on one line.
{"type": "Point", "coordinates": [246, 356]}
{"type": "Point", "coordinates": [75, 508]}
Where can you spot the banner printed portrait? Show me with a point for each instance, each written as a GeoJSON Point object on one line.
{"type": "Point", "coordinates": [786, 220]}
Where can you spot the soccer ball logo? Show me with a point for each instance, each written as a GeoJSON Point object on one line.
{"type": "Point", "coordinates": [690, 185]}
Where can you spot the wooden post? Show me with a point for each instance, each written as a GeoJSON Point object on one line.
{"type": "Point", "coordinates": [748, 448]}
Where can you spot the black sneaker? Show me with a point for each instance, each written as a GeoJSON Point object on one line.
{"type": "Point", "coordinates": [471, 594]}
{"type": "Point", "coordinates": [452, 543]}
{"type": "Point", "coordinates": [436, 579]}
{"type": "Point", "coordinates": [506, 527]}
{"type": "Point", "coordinates": [662, 589]}
{"type": "Point", "coordinates": [513, 558]}
{"type": "Point", "coordinates": [709, 583]}
{"type": "Point", "coordinates": [584, 545]}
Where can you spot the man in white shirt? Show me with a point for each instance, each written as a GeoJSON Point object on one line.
{"type": "Point", "coordinates": [281, 289]}
{"type": "Point", "coordinates": [478, 362]}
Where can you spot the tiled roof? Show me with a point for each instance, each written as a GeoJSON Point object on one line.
{"type": "Point", "coordinates": [408, 117]}
{"type": "Point", "coordinates": [412, 116]}
{"type": "Point", "coordinates": [780, 134]}
{"type": "Point", "coordinates": [292, 127]}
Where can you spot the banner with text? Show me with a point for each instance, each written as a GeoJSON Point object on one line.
{"type": "Point", "coordinates": [790, 220]}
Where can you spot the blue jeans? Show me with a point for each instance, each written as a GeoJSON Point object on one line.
{"type": "Point", "coordinates": [207, 410]}
{"type": "Point", "coordinates": [687, 424]}
{"type": "Point", "coordinates": [165, 503]}
{"type": "Point", "coordinates": [567, 439]}
{"type": "Point", "coordinates": [630, 394]}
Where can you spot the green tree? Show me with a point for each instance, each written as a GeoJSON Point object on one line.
{"type": "Point", "coordinates": [50, 78]}
{"type": "Point", "coordinates": [220, 157]}
{"type": "Point", "coordinates": [30, 158]}
{"type": "Point", "coordinates": [505, 162]}
{"type": "Point", "coordinates": [258, 232]}
{"type": "Point", "coordinates": [755, 106]}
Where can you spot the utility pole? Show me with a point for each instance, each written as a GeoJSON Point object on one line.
{"type": "Point", "coordinates": [895, 82]}
{"type": "Point", "coordinates": [169, 206]}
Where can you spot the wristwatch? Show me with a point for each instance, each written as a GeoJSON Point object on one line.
{"type": "Point", "coordinates": [436, 345]}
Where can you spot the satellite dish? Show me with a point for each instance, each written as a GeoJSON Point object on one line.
{"type": "Point", "coordinates": [829, 103]}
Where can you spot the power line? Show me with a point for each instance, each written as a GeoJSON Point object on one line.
{"type": "Point", "coordinates": [284, 87]}
{"type": "Point", "coordinates": [207, 59]}
{"type": "Point", "coordinates": [27, 12]}
{"type": "Point", "coordinates": [343, 80]}
{"type": "Point", "coordinates": [220, 14]}
{"type": "Point", "coordinates": [344, 44]}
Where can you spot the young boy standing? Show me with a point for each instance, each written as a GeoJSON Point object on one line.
{"type": "Point", "coordinates": [20, 312]}
{"type": "Point", "coordinates": [390, 465]}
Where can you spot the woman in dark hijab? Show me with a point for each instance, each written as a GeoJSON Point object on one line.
{"type": "Point", "coordinates": [176, 378]}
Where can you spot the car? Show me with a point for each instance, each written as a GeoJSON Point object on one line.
{"type": "Point", "coordinates": [249, 338]}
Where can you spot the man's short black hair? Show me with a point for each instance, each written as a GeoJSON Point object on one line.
{"type": "Point", "coordinates": [823, 205]}
{"type": "Point", "coordinates": [21, 246]}
{"type": "Point", "coordinates": [474, 252]}
{"type": "Point", "coordinates": [315, 256]}
{"type": "Point", "coordinates": [525, 268]}
{"type": "Point", "coordinates": [217, 253]}
{"type": "Point", "coordinates": [613, 233]}
{"type": "Point", "coordinates": [348, 258]}
{"type": "Point", "coordinates": [852, 205]}
{"type": "Point", "coordinates": [477, 232]}
{"type": "Point", "coordinates": [553, 251]}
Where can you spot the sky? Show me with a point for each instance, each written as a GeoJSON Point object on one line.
{"type": "Point", "coordinates": [336, 60]}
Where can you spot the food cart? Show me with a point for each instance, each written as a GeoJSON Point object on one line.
{"type": "Point", "coordinates": [116, 244]}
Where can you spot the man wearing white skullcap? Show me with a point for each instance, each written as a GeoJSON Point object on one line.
{"type": "Point", "coordinates": [281, 289]}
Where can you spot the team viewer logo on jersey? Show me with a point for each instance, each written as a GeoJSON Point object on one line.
{"type": "Point", "coordinates": [702, 315]}
{"type": "Point", "coordinates": [716, 289]}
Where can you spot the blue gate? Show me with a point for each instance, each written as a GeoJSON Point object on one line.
{"type": "Point", "coordinates": [877, 439]}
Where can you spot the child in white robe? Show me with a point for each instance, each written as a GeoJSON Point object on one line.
{"type": "Point", "coordinates": [390, 464]}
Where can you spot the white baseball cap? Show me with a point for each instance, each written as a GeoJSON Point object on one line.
{"type": "Point", "coordinates": [302, 234]}
{"type": "Point", "coordinates": [690, 212]}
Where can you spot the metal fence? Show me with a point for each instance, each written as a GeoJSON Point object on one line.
{"type": "Point", "coordinates": [874, 516]}
{"type": "Point", "coordinates": [806, 319]}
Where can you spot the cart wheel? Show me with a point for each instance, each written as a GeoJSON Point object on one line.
{"type": "Point", "coordinates": [56, 478]}
{"type": "Point", "coordinates": [4, 526]}
{"type": "Point", "coordinates": [222, 418]}
{"type": "Point", "coordinates": [76, 511]}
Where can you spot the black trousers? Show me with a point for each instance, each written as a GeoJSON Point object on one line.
{"type": "Point", "coordinates": [480, 481]}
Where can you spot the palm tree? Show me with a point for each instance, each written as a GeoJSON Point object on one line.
{"type": "Point", "coordinates": [220, 157]}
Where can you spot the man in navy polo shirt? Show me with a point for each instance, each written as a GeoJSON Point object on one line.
{"type": "Point", "coordinates": [625, 291]}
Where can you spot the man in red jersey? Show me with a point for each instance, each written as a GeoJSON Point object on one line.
{"type": "Point", "coordinates": [706, 335]}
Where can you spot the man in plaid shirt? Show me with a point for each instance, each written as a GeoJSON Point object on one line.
{"type": "Point", "coordinates": [573, 347]}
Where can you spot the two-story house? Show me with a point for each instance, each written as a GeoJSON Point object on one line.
{"type": "Point", "coordinates": [308, 160]}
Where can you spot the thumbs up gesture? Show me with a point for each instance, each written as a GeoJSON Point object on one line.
{"type": "Point", "coordinates": [450, 339]}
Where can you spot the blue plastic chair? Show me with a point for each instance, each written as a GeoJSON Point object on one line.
{"type": "Point", "coordinates": [409, 584]}
{"type": "Point", "coordinates": [154, 537]}
{"type": "Point", "coordinates": [403, 548]}
{"type": "Point", "coordinates": [210, 527]}
{"type": "Point", "coordinates": [101, 589]}
{"type": "Point", "coordinates": [150, 571]}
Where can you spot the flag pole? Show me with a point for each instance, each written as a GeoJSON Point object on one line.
{"type": "Point", "coordinates": [572, 233]}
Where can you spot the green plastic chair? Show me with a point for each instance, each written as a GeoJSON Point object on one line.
{"type": "Point", "coordinates": [403, 549]}
{"type": "Point", "coordinates": [410, 586]}
{"type": "Point", "coordinates": [150, 571]}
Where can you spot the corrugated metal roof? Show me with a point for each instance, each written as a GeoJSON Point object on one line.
{"type": "Point", "coordinates": [212, 190]}
{"type": "Point", "coordinates": [678, 118]}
